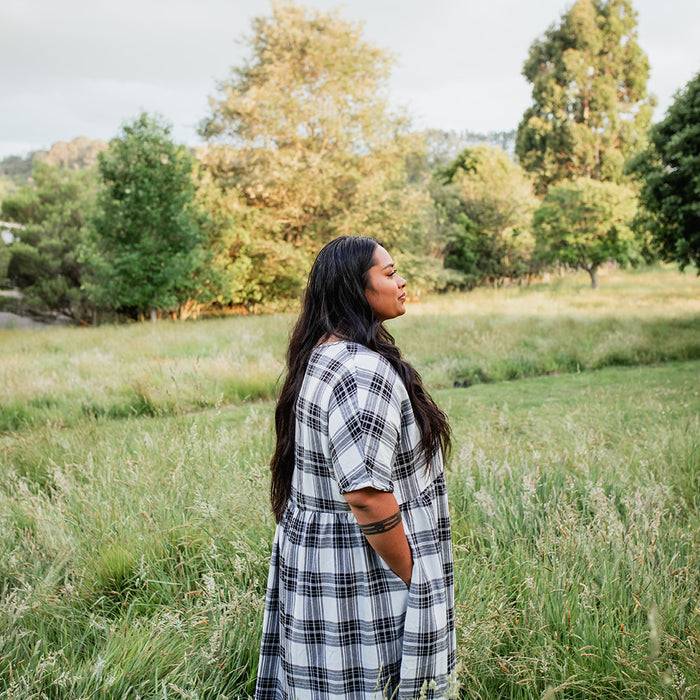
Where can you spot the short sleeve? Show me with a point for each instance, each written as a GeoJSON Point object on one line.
{"type": "Point", "coordinates": [363, 430]}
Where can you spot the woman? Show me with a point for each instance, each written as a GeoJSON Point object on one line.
{"type": "Point", "coordinates": [360, 599]}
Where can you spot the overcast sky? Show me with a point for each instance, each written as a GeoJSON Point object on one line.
{"type": "Point", "coordinates": [82, 67]}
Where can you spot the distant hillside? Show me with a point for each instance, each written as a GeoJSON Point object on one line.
{"type": "Point", "coordinates": [445, 146]}
{"type": "Point", "coordinates": [81, 152]}
{"type": "Point", "coordinates": [17, 169]}
{"type": "Point", "coordinates": [77, 154]}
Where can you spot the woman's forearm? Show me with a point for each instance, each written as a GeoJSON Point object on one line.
{"type": "Point", "coordinates": [379, 517]}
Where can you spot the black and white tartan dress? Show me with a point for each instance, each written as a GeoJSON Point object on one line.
{"type": "Point", "coordinates": [338, 622]}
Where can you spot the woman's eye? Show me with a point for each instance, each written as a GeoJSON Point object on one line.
{"type": "Point", "coordinates": [392, 273]}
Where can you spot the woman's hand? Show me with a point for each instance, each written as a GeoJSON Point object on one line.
{"type": "Point", "coordinates": [379, 518]}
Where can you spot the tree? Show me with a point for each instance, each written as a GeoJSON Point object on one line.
{"type": "Point", "coordinates": [146, 243]}
{"type": "Point", "coordinates": [485, 203]}
{"type": "Point", "coordinates": [590, 109]}
{"type": "Point", "coordinates": [586, 223]}
{"type": "Point", "coordinates": [669, 171]}
{"type": "Point", "coordinates": [301, 147]}
{"type": "Point", "coordinates": [55, 211]}
{"type": "Point", "coordinates": [17, 169]}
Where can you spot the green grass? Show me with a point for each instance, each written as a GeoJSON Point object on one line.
{"type": "Point", "coordinates": [60, 377]}
{"type": "Point", "coordinates": [576, 513]}
{"type": "Point", "coordinates": [494, 335]}
{"type": "Point", "coordinates": [137, 556]}
{"type": "Point", "coordinates": [134, 546]}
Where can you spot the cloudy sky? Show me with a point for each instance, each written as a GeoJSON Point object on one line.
{"type": "Point", "coordinates": [82, 67]}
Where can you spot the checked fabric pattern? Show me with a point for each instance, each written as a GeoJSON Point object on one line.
{"type": "Point", "coordinates": [338, 622]}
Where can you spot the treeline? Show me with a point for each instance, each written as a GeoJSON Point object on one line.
{"type": "Point", "coordinates": [301, 146]}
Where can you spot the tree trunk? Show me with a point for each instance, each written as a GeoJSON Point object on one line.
{"type": "Point", "coordinates": [593, 272]}
{"type": "Point", "coordinates": [154, 315]}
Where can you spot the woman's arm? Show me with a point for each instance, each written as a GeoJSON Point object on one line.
{"type": "Point", "coordinates": [378, 515]}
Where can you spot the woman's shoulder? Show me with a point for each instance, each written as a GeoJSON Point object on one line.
{"type": "Point", "coordinates": [344, 356]}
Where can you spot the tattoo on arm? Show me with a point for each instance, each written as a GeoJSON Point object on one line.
{"type": "Point", "coordinates": [382, 525]}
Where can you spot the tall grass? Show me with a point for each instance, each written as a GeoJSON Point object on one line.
{"type": "Point", "coordinates": [134, 547]}
{"type": "Point", "coordinates": [135, 564]}
{"type": "Point", "coordinates": [577, 513]}
{"type": "Point", "coordinates": [564, 326]}
{"type": "Point", "coordinates": [62, 376]}
{"type": "Point", "coordinates": [137, 567]}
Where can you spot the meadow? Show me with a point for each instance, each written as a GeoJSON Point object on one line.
{"type": "Point", "coordinates": [135, 531]}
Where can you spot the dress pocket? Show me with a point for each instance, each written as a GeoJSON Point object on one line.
{"type": "Point", "coordinates": [393, 580]}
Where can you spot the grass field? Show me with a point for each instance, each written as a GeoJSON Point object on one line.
{"type": "Point", "coordinates": [135, 532]}
{"type": "Point", "coordinates": [62, 376]}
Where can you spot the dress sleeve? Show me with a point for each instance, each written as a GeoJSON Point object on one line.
{"type": "Point", "coordinates": [363, 430]}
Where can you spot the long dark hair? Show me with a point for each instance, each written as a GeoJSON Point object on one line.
{"type": "Point", "coordinates": [335, 305]}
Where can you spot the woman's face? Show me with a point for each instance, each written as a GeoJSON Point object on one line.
{"type": "Point", "coordinates": [385, 290]}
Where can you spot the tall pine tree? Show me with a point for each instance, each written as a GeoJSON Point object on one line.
{"type": "Point", "coordinates": [590, 107]}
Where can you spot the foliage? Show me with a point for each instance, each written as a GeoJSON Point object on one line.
{"type": "Point", "coordinates": [586, 223]}
{"type": "Point", "coordinates": [7, 187]}
{"type": "Point", "coordinates": [589, 110]}
{"type": "Point", "coordinates": [302, 148]}
{"type": "Point", "coordinates": [55, 211]}
{"type": "Point", "coordinates": [134, 552]}
{"type": "Point", "coordinates": [4, 260]}
{"type": "Point", "coordinates": [426, 274]}
{"type": "Point", "coordinates": [145, 243]}
{"type": "Point", "coordinates": [17, 169]}
{"type": "Point", "coordinates": [78, 153]}
{"type": "Point", "coordinates": [485, 203]}
{"type": "Point", "coordinates": [669, 170]}
{"type": "Point", "coordinates": [244, 268]}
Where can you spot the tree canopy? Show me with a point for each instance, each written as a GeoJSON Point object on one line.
{"type": "Point", "coordinates": [590, 108]}
{"type": "Point", "coordinates": [485, 203]}
{"type": "Point", "coordinates": [43, 260]}
{"type": "Point", "coordinates": [585, 223]}
{"type": "Point", "coordinates": [669, 172]}
{"type": "Point", "coordinates": [302, 147]}
{"type": "Point", "coordinates": [145, 242]}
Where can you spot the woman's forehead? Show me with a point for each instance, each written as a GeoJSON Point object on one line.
{"type": "Point", "coordinates": [382, 257]}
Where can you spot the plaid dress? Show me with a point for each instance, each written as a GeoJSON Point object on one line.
{"type": "Point", "coordinates": [338, 622]}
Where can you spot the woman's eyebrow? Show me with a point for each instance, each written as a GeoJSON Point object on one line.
{"type": "Point", "coordinates": [391, 264]}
